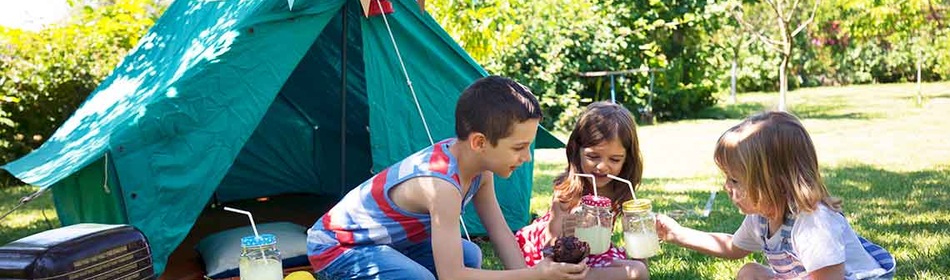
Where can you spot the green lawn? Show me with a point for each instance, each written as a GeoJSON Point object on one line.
{"type": "Point", "coordinates": [887, 157]}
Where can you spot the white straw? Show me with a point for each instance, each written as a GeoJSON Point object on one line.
{"type": "Point", "coordinates": [593, 182]}
{"type": "Point", "coordinates": [249, 216]}
{"type": "Point", "coordinates": [629, 184]}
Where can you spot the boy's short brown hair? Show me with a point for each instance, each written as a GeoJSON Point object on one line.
{"type": "Point", "coordinates": [491, 105]}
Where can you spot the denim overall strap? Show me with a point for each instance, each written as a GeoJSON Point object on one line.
{"type": "Point", "coordinates": [781, 259]}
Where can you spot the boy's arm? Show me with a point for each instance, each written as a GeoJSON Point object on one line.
{"type": "Point", "coordinates": [709, 243]}
{"type": "Point", "coordinates": [486, 204]}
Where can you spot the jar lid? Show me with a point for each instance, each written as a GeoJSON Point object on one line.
{"type": "Point", "coordinates": [596, 201]}
{"type": "Point", "coordinates": [253, 241]}
{"type": "Point", "coordinates": [638, 205]}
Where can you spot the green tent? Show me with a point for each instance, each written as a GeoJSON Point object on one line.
{"type": "Point", "coordinates": [243, 99]}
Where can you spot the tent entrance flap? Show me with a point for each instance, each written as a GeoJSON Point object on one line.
{"type": "Point", "coordinates": [91, 195]}
{"type": "Point", "coordinates": [296, 147]}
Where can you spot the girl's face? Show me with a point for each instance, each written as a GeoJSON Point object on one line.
{"type": "Point", "coordinates": [737, 195]}
{"type": "Point", "coordinates": [602, 159]}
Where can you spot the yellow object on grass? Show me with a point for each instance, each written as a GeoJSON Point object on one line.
{"type": "Point", "coordinates": [300, 275]}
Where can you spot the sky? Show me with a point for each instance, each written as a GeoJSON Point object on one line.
{"type": "Point", "coordinates": [31, 14]}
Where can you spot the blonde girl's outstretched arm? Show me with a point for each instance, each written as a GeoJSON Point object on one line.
{"type": "Point", "coordinates": [709, 243]}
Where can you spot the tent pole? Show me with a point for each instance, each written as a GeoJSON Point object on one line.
{"type": "Point", "coordinates": [343, 102]}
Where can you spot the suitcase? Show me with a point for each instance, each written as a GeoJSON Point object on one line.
{"type": "Point", "coordinates": [79, 252]}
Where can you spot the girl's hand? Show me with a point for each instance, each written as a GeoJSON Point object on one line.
{"type": "Point", "coordinates": [548, 236]}
{"type": "Point", "coordinates": [556, 270]}
{"type": "Point", "coordinates": [666, 228]}
{"type": "Point", "coordinates": [568, 224]}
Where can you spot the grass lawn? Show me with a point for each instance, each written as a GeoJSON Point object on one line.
{"type": "Point", "coordinates": [888, 158]}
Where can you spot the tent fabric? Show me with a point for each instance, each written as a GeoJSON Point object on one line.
{"type": "Point", "coordinates": [239, 99]}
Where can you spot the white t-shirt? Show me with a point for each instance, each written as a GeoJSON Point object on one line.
{"type": "Point", "coordinates": [819, 239]}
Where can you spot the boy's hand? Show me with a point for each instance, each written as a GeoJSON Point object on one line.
{"type": "Point", "coordinates": [556, 270]}
{"type": "Point", "coordinates": [666, 228]}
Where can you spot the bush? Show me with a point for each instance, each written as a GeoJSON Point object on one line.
{"type": "Point", "coordinates": [45, 75]}
{"type": "Point", "coordinates": [546, 44]}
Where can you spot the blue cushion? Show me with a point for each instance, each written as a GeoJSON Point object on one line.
{"type": "Point", "coordinates": [220, 251]}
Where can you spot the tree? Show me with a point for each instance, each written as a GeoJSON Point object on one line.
{"type": "Point", "coordinates": [785, 15]}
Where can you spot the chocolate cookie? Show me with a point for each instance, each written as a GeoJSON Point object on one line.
{"type": "Point", "coordinates": [568, 249]}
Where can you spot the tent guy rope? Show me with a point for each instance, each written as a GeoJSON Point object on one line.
{"type": "Point", "coordinates": [414, 98]}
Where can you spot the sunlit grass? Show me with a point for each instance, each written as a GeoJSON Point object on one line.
{"type": "Point", "coordinates": [887, 157]}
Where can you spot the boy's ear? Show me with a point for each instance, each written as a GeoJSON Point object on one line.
{"type": "Point", "coordinates": [478, 141]}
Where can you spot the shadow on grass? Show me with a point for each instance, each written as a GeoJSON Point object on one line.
{"type": "Point", "coordinates": [731, 111]}
{"type": "Point", "coordinates": [824, 111]}
{"type": "Point", "coordinates": [883, 205]}
{"type": "Point", "coordinates": [926, 96]}
{"type": "Point", "coordinates": [905, 212]}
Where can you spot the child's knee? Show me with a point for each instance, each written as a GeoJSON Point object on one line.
{"type": "Point", "coordinates": [471, 254]}
{"type": "Point", "coordinates": [754, 271]}
{"type": "Point", "coordinates": [635, 269]}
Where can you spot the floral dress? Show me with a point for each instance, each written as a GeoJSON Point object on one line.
{"type": "Point", "coordinates": [531, 240]}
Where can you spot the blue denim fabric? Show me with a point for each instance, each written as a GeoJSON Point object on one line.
{"type": "Point", "coordinates": [384, 262]}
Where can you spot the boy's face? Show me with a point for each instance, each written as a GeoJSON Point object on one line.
{"type": "Point", "coordinates": [510, 152]}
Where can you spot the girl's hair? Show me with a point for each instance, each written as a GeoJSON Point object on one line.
{"type": "Point", "coordinates": [601, 122]}
{"type": "Point", "coordinates": [774, 160]}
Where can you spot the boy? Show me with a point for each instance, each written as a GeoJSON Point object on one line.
{"type": "Point", "coordinates": [403, 223]}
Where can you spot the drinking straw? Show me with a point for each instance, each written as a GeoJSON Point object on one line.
{"type": "Point", "coordinates": [629, 184]}
{"type": "Point", "coordinates": [593, 181]}
{"type": "Point", "coordinates": [249, 217]}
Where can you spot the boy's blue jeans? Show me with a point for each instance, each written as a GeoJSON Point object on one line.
{"type": "Point", "coordinates": [384, 262]}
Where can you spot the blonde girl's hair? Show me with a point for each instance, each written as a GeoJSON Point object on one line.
{"type": "Point", "coordinates": [774, 160]}
{"type": "Point", "coordinates": [600, 122]}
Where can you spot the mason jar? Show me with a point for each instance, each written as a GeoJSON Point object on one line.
{"type": "Point", "coordinates": [260, 258]}
{"type": "Point", "coordinates": [592, 223]}
{"type": "Point", "coordinates": [639, 229]}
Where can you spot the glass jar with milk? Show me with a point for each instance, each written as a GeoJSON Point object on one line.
{"type": "Point", "coordinates": [260, 258]}
{"type": "Point", "coordinates": [639, 229]}
{"type": "Point", "coordinates": [593, 223]}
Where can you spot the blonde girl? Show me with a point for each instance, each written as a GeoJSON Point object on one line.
{"type": "Point", "coordinates": [772, 176]}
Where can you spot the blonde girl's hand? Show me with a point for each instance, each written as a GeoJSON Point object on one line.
{"type": "Point", "coordinates": [557, 270]}
{"type": "Point", "coordinates": [666, 228]}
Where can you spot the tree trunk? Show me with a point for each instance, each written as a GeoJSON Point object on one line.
{"type": "Point", "coordinates": [920, 98]}
{"type": "Point", "coordinates": [783, 83]}
{"type": "Point", "coordinates": [732, 89]}
{"type": "Point", "coordinates": [735, 72]}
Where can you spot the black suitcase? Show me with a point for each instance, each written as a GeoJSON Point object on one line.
{"type": "Point", "coordinates": [79, 252]}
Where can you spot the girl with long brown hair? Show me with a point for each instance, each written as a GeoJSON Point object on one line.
{"type": "Point", "coordinates": [603, 142]}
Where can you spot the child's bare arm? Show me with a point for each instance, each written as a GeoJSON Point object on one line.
{"type": "Point", "coordinates": [559, 219]}
{"type": "Point", "coordinates": [834, 272]}
{"type": "Point", "coordinates": [709, 243]}
{"type": "Point", "coordinates": [490, 213]}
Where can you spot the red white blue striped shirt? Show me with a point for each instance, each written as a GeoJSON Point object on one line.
{"type": "Point", "coordinates": [368, 216]}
